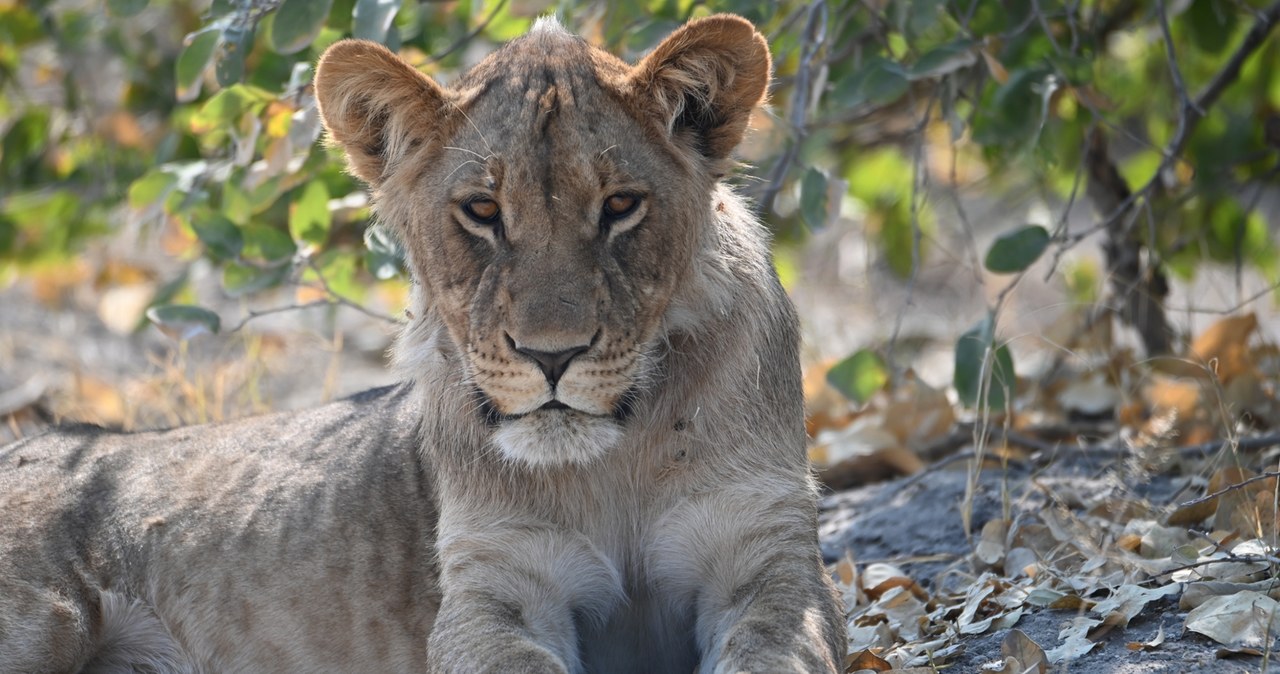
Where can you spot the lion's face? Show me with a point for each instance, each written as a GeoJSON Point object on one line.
{"type": "Point", "coordinates": [552, 203]}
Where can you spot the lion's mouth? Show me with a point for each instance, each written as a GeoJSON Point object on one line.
{"type": "Point", "coordinates": [492, 417]}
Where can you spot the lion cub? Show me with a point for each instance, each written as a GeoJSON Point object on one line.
{"type": "Point", "coordinates": [598, 465]}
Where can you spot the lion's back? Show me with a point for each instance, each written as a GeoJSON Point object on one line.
{"type": "Point", "coordinates": [204, 513]}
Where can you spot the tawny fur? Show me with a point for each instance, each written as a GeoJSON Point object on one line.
{"type": "Point", "coordinates": [659, 518]}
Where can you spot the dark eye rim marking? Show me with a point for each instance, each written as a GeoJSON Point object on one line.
{"type": "Point", "coordinates": [608, 215]}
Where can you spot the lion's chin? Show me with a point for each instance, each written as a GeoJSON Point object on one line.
{"type": "Point", "coordinates": [556, 437]}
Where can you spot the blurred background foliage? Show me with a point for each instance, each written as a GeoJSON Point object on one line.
{"type": "Point", "coordinates": [191, 125]}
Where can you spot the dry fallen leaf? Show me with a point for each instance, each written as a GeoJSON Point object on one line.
{"type": "Point", "coordinates": [1075, 640]}
{"type": "Point", "coordinates": [866, 661]}
{"type": "Point", "coordinates": [1242, 620]}
{"type": "Point", "coordinates": [1151, 645]}
{"type": "Point", "coordinates": [1030, 656]}
{"type": "Point", "coordinates": [1091, 396]}
{"type": "Point", "coordinates": [878, 636]}
{"type": "Point", "coordinates": [859, 453]}
{"type": "Point", "coordinates": [1224, 346]}
{"type": "Point", "coordinates": [825, 407]}
{"type": "Point", "coordinates": [917, 414]}
{"type": "Point", "coordinates": [1172, 395]}
{"type": "Point", "coordinates": [990, 548]}
{"type": "Point", "coordinates": [121, 307]}
{"type": "Point", "coordinates": [1129, 600]}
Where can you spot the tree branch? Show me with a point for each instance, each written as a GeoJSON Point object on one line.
{"type": "Point", "coordinates": [815, 34]}
{"type": "Point", "coordinates": [1193, 111]}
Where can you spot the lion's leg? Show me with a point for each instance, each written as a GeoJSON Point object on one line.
{"type": "Point", "coordinates": [750, 562]}
{"type": "Point", "coordinates": [782, 620]}
{"type": "Point", "coordinates": [42, 630]}
{"type": "Point", "coordinates": [512, 593]}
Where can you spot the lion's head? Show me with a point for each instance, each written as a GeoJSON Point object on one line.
{"type": "Point", "coordinates": [552, 203]}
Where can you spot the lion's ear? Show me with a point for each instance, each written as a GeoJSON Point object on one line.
{"type": "Point", "coordinates": [705, 79]}
{"type": "Point", "coordinates": [376, 106]}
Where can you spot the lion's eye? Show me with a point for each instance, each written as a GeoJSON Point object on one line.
{"type": "Point", "coordinates": [483, 211]}
{"type": "Point", "coordinates": [620, 205]}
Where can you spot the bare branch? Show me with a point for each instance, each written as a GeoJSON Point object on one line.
{"type": "Point", "coordinates": [1230, 488]}
{"type": "Point", "coordinates": [466, 39]}
{"type": "Point", "coordinates": [815, 34]}
{"type": "Point", "coordinates": [332, 299]}
{"type": "Point", "coordinates": [1174, 71]}
{"type": "Point", "coordinates": [1192, 112]}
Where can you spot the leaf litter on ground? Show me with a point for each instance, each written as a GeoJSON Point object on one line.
{"type": "Point", "coordinates": [1102, 559]}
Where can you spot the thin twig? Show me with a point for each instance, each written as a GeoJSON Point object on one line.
{"type": "Point", "coordinates": [466, 39]}
{"type": "Point", "coordinates": [1176, 73]}
{"type": "Point", "coordinates": [1230, 488]}
{"type": "Point", "coordinates": [1108, 451]}
{"type": "Point", "coordinates": [332, 299]}
{"type": "Point", "coordinates": [256, 314]}
{"type": "Point", "coordinates": [815, 34]}
{"type": "Point", "coordinates": [919, 187]}
{"type": "Point", "coordinates": [1229, 559]}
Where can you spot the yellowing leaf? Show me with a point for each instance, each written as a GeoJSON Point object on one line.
{"type": "Point", "coordinates": [102, 402]}
{"type": "Point", "coordinates": [867, 661]}
{"type": "Point", "coordinates": [1225, 345]}
{"type": "Point", "coordinates": [998, 71]}
{"type": "Point", "coordinates": [1181, 396]}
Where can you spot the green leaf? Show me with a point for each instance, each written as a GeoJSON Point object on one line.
{"type": "Point", "coordinates": [192, 62]}
{"type": "Point", "coordinates": [235, 203]}
{"type": "Point", "coordinates": [184, 321]}
{"type": "Point", "coordinates": [229, 57]}
{"type": "Point", "coordinates": [973, 368]}
{"type": "Point", "coordinates": [20, 26]}
{"type": "Point", "coordinates": [813, 199]}
{"type": "Point", "coordinates": [879, 82]}
{"type": "Point", "coordinates": [151, 188]}
{"type": "Point", "coordinates": [239, 280]}
{"type": "Point", "coordinates": [371, 19]}
{"type": "Point", "coordinates": [309, 216]}
{"type": "Point", "coordinates": [263, 196]}
{"type": "Point", "coordinates": [125, 8]}
{"type": "Point", "coordinates": [859, 376]}
{"type": "Point", "coordinates": [1014, 251]}
{"type": "Point", "coordinates": [1210, 23]}
{"type": "Point", "coordinates": [922, 15]}
{"type": "Point", "coordinates": [227, 106]}
{"type": "Point", "coordinates": [267, 243]}
{"type": "Point", "coordinates": [338, 269]}
{"type": "Point", "coordinates": [945, 60]}
{"type": "Point", "coordinates": [297, 23]}
{"type": "Point", "coordinates": [219, 235]}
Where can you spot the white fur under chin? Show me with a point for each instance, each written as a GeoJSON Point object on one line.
{"type": "Point", "coordinates": [553, 438]}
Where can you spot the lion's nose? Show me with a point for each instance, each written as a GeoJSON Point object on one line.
{"type": "Point", "coordinates": [552, 363]}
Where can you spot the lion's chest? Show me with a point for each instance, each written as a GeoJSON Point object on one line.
{"type": "Point", "coordinates": [649, 548]}
{"type": "Point", "coordinates": [647, 635]}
